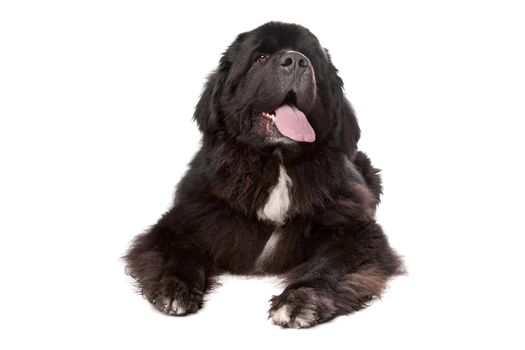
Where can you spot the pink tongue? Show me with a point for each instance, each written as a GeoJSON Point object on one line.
{"type": "Point", "coordinates": [292, 123]}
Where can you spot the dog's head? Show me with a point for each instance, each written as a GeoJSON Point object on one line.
{"type": "Point", "coordinates": [276, 85]}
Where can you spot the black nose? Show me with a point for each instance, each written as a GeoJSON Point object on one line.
{"type": "Point", "coordinates": [292, 60]}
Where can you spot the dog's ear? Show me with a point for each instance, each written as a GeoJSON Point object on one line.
{"type": "Point", "coordinates": [207, 111]}
{"type": "Point", "coordinates": [346, 130]}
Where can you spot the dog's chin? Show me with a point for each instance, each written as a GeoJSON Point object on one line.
{"type": "Point", "coordinates": [266, 137]}
{"type": "Point", "coordinates": [280, 140]}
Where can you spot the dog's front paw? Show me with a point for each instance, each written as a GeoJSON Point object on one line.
{"type": "Point", "coordinates": [173, 297]}
{"type": "Point", "coordinates": [301, 308]}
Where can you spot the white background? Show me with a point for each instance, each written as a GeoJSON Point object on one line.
{"type": "Point", "coordinates": [96, 99]}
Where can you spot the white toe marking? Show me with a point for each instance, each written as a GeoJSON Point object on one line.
{"type": "Point", "coordinates": [281, 315]}
{"type": "Point", "coordinates": [176, 308]}
{"type": "Point", "coordinates": [305, 319]}
{"type": "Point", "coordinates": [278, 201]}
{"type": "Point", "coordinates": [166, 303]}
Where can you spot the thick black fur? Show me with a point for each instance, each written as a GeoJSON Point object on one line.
{"type": "Point", "coordinates": [331, 252]}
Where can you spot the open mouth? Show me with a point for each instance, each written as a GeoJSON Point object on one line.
{"type": "Point", "coordinates": [270, 116]}
{"type": "Point", "coordinates": [291, 122]}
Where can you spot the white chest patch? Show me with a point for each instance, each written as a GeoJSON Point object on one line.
{"type": "Point", "coordinates": [268, 250]}
{"type": "Point", "coordinates": [276, 207]}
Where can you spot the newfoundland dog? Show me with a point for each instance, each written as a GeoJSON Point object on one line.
{"type": "Point", "coordinates": [278, 187]}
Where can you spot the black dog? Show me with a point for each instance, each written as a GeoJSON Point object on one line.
{"type": "Point", "coordinates": [278, 187]}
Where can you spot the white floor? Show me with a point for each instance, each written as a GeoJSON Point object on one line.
{"type": "Point", "coordinates": [96, 100]}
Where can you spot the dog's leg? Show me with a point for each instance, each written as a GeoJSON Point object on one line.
{"type": "Point", "coordinates": [343, 276]}
{"type": "Point", "coordinates": [170, 269]}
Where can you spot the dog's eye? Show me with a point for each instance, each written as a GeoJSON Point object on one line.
{"type": "Point", "coordinates": [262, 58]}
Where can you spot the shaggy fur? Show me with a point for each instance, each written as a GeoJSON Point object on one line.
{"type": "Point", "coordinates": [328, 247]}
